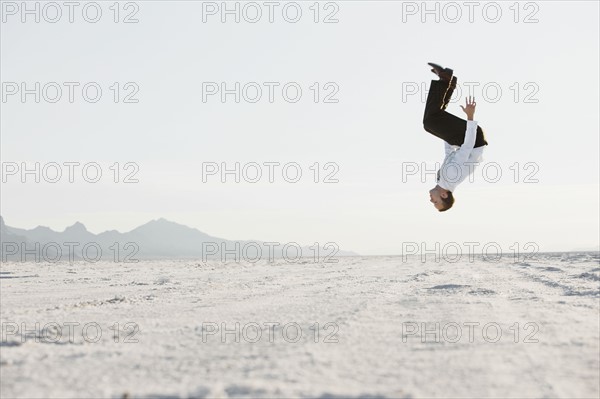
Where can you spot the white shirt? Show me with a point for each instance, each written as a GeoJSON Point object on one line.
{"type": "Point", "coordinates": [460, 161]}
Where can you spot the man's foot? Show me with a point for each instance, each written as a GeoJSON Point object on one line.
{"type": "Point", "coordinates": [443, 73]}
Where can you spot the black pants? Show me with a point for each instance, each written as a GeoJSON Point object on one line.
{"type": "Point", "coordinates": [443, 124]}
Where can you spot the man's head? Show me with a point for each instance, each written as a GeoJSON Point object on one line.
{"type": "Point", "coordinates": [441, 199]}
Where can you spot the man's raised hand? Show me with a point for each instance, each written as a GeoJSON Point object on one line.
{"type": "Point", "coordinates": [469, 107]}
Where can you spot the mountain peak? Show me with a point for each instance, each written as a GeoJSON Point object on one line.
{"type": "Point", "coordinates": [77, 227]}
{"type": "Point", "coordinates": [161, 223]}
{"type": "Point", "coordinates": [42, 228]}
{"type": "Point", "coordinates": [164, 226]}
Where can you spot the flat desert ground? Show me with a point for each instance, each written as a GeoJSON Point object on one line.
{"type": "Point", "coordinates": [382, 327]}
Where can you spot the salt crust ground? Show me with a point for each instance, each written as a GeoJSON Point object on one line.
{"type": "Point", "coordinates": [376, 307]}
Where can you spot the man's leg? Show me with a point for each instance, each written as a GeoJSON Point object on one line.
{"type": "Point", "coordinates": [442, 124]}
{"type": "Point", "coordinates": [451, 129]}
{"type": "Point", "coordinates": [438, 98]}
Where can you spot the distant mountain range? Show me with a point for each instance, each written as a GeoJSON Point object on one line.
{"type": "Point", "coordinates": [157, 239]}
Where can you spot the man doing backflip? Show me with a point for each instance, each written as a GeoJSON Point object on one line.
{"type": "Point", "coordinates": [463, 140]}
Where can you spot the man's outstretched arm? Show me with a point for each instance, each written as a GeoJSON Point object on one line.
{"type": "Point", "coordinates": [465, 149]}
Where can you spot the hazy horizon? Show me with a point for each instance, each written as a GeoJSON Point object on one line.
{"type": "Point", "coordinates": [426, 247]}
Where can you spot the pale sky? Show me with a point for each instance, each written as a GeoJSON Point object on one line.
{"type": "Point", "coordinates": [546, 117]}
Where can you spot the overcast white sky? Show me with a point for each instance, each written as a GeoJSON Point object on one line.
{"type": "Point", "coordinates": [546, 117]}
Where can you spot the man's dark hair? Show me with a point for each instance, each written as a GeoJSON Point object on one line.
{"type": "Point", "coordinates": [448, 202]}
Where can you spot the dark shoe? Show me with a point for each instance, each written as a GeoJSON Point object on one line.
{"type": "Point", "coordinates": [443, 73]}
